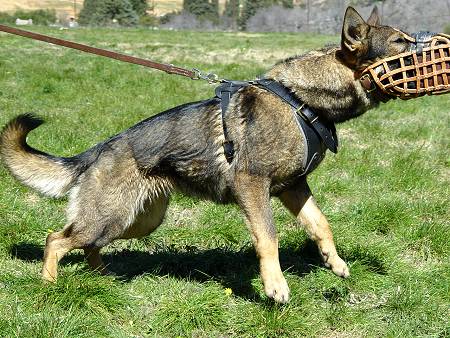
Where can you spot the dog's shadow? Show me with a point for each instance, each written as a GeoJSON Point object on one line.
{"type": "Point", "coordinates": [233, 269]}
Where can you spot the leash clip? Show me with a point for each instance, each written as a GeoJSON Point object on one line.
{"type": "Point", "coordinates": [210, 77]}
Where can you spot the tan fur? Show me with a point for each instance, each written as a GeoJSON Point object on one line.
{"type": "Point", "coordinates": [327, 72]}
{"type": "Point", "coordinates": [148, 219]}
{"type": "Point", "coordinates": [302, 205]}
{"type": "Point", "coordinates": [254, 201]}
{"type": "Point", "coordinates": [33, 169]}
{"type": "Point", "coordinates": [125, 202]}
{"type": "Point", "coordinates": [57, 245]}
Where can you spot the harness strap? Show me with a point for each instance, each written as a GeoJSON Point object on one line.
{"type": "Point", "coordinates": [224, 92]}
{"type": "Point", "coordinates": [316, 134]}
{"type": "Point", "coordinates": [328, 134]}
{"type": "Point", "coordinates": [371, 88]}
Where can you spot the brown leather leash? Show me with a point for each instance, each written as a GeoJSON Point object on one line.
{"type": "Point", "coordinates": [193, 74]}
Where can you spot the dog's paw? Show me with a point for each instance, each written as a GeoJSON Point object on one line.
{"type": "Point", "coordinates": [338, 266]}
{"type": "Point", "coordinates": [48, 280]}
{"type": "Point", "coordinates": [47, 277]}
{"type": "Point", "coordinates": [277, 289]}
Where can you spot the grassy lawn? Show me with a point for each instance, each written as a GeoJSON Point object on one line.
{"type": "Point", "coordinates": [386, 194]}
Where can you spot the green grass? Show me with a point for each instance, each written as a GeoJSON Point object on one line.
{"type": "Point", "coordinates": [385, 193]}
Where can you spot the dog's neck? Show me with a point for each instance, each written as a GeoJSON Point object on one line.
{"type": "Point", "coordinates": [325, 83]}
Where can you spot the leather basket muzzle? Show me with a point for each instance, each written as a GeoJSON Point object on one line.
{"type": "Point", "coordinates": [423, 70]}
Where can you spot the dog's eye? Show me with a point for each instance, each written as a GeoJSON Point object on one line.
{"type": "Point", "coordinates": [400, 40]}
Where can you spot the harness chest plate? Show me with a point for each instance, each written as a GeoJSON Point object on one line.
{"type": "Point", "coordinates": [317, 135]}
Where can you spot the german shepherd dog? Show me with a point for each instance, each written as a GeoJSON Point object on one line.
{"type": "Point", "coordinates": [120, 188]}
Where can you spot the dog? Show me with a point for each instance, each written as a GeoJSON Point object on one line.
{"type": "Point", "coordinates": [120, 188]}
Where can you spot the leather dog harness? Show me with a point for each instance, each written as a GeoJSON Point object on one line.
{"type": "Point", "coordinates": [318, 136]}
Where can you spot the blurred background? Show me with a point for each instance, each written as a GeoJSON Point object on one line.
{"type": "Point", "coordinates": [316, 16]}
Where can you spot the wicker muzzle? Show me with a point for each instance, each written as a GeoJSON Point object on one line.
{"type": "Point", "coordinates": [424, 70]}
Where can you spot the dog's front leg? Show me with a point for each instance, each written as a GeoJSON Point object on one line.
{"type": "Point", "coordinates": [254, 198]}
{"type": "Point", "coordinates": [300, 202]}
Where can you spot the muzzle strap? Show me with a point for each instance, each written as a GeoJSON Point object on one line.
{"type": "Point", "coordinates": [421, 40]}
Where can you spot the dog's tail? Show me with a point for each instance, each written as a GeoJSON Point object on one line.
{"type": "Point", "coordinates": [50, 175]}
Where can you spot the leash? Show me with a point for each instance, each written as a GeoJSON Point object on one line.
{"type": "Point", "coordinates": [194, 74]}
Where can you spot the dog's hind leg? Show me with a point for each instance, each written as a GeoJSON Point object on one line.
{"type": "Point", "coordinates": [57, 245]}
{"type": "Point", "coordinates": [95, 260]}
{"type": "Point", "coordinates": [78, 235]}
{"type": "Point", "coordinates": [102, 207]}
{"type": "Point", "coordinates": [300, 202]}
{"type": "Point", "coordinates": [253, 196]}
{"type": "Point", "coordinates": [146, 222]}
{"type": "Point", "coordinates": [74, 236]}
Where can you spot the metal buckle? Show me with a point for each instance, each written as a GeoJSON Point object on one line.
{"type": "Point", "coordinates": [299, 109]}
{"type": "Point", "coordinates": [374, 86]}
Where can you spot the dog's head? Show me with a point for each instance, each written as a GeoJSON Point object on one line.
{"type": "Point", "coordinates": [365, 42]}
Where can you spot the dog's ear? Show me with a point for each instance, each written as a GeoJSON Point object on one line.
{"type": "Point", "coordinates": [354, 33]}
{"type": "Point", "coordinates": [374, 18]}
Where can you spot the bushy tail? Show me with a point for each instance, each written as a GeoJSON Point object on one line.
{"type": "Point", "coordinates": [50, 175]}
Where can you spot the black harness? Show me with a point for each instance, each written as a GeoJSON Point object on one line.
{"type": "Point", "coordinates": [318, 135]}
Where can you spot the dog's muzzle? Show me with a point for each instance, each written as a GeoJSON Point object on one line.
{"type": "Point", "coordinates": [423, 70]}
